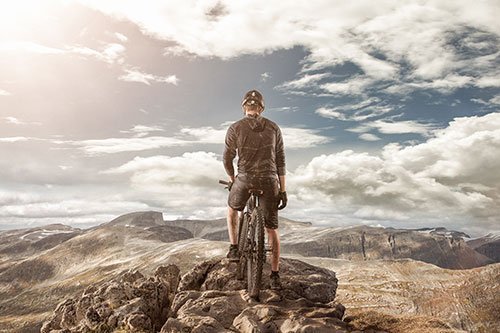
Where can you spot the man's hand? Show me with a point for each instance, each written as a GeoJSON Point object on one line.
{"type": "Point", "coordinates": [283, 200]}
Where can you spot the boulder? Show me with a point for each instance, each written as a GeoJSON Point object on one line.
{"type": "Point", "coordinates": [131, 302]}
{"type": "Point", "coordinates": [211, 299]}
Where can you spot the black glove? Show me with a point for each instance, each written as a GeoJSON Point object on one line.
{"type": "Point", "coordinates": [228, 184]}
{"type": "Point", "coordinates": [282, 199]}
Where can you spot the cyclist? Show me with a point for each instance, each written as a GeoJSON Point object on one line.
{"type": "Point", "coordinates": [258, 142]}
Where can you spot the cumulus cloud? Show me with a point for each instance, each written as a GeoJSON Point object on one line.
{"type": "Point", "coordinates": [17, 121]}
{"type": "Point", "coordinates": [362, 110]}
{"type": "Point", "coordinates": [393, 42]}
{"type": "Point", "coordinates": [265, 76]}
{"type": "Point", "coordinates": [110, 53]}
{"type": "Point", "coordinates": [185, 182]}
{"type": "Point", "coordinates": [68, 208]}
{"type": "Point", "coordinates": [20, 139]}
{"type": "Point", "coordinates": [4, 93]}
{"type": "Point", "coordinates": [489, 81]}
{"type": "Point", "coordinates": [135, 75]}
{"type": "Point", "coordinates": [445, 85]}
{"type": "Point", "coordinates": [294, 138]}
{"type": "Point", "coordinates": [306, 81]}
{"type": "Point", "coordinates": [19, 209]}
{"type": "Point", "coordinates": [401, 127]}
{"type": "Point", "coordinates": [285, 109]}
{"type": "Point", "coordinates": [369, 137]}
{"type": "Point", "coordinates": [452, 178]}
{"type": "Point", "coordinates": [13, 120]}
{"type": "Point", "coordinates": [118, 145]}
{"type": "Point", "coordinates": [206, 134]}
{"type": "Point", "coordinates": [494, 101]}
{"type": "Point", "coordinates": [143, 130]}
{"type": "Point", "coordinates": [297, 138]}
{"type": "Point", "coordinates": [393, 126]}
{"type": "Point", "coordinates": [353, 86]}
{"type": "Point", "coordinates": [197, 169]}
{"type": "Point", "coordinates": [121, 37]}
{"type": "Point", "coordinates": [29, 47]}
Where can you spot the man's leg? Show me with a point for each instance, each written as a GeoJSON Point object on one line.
{"type": "Point", "coordinates": [274, 242]}
{"type": "Point", "coordinates": [232, 218]}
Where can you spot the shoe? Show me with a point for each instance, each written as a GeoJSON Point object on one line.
{"type": "Point", "coordinates": [233, 254]}
{"type": "Point", "coordinates": [275, 281]}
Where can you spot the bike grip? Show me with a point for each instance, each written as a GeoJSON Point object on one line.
{"type": "Point", "coordinates": [223, 182]}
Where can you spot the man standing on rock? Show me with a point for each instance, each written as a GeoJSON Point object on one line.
{"type": "Point", "coordinates": [261, 164]}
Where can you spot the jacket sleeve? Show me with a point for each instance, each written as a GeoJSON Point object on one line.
{"type": "Point", "coordinates": [280, 154]}
{"type": "Point", "coordinates": [229, 151]}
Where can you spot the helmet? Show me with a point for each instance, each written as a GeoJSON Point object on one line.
{"type": "Point", "coordinates": [253, 97]}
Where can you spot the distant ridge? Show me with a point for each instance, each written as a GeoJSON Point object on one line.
{"type": "Point", "coordinates": [488, 245]}
{"type": "Point", "coordinates": [35, 278]}
{"type": "Point", "coordinates": [138, 219]}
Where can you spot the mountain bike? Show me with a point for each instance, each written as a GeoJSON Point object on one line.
{"type": "Point", "coordinates": [251, 242]}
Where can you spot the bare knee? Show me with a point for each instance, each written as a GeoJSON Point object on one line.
{"type": "Point", "coordinates": [232, 214]}
{"type": "Point", "coordinates": [273, 236]}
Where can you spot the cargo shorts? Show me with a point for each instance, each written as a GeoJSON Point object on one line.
{"type": "Point", "coordinates": [238, 196]}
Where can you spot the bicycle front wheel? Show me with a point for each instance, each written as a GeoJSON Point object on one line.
{"type": "Point", "coordinates": [258, 253]}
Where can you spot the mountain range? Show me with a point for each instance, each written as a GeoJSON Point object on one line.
{"type": "Point", "coordinates": [419, 272]}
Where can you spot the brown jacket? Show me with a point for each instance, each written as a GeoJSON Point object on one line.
{"type": "Point", "coordinates": [259, 145]}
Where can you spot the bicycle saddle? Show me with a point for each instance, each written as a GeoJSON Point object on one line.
{"type": "Point", "coordinates": [255, 191]}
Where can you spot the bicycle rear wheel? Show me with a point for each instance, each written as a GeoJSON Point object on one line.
{"type": "Point", "coordinates": [258, 254]}
{"type": "Point", "coordinates": [242, 245]}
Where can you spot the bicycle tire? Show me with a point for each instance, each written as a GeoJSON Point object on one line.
{"type": "Point", "coordinates": [242, 246]}
{"type": "Point", "coordinates": [249, 252]}
{"type": "Point", "coordinates": [258, 254]}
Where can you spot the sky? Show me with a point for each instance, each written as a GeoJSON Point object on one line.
{"type": "Point", "coordinates": [390, 113]}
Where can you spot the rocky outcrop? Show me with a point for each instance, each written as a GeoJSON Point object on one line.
{"type": "Point", "coordinates": [436, 246]}
{"type": "Point", "coordinates": [131, 302]}
{"type": "Point", "coordinates": [208, 298]}
{"type": "Point", "coordinates": [211, 299]}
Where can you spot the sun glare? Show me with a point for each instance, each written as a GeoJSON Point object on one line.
{"type": "Point", "coordinates": [21, 19]}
